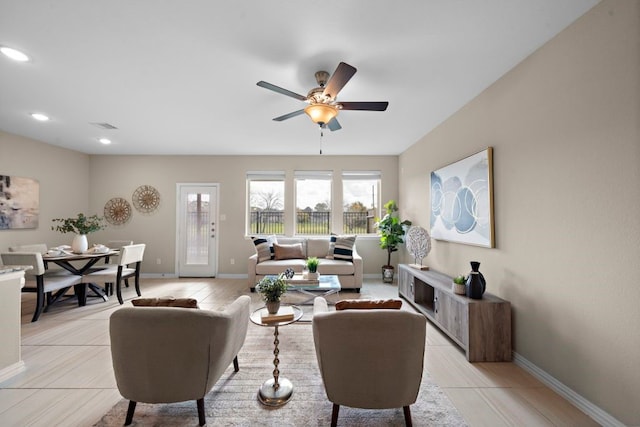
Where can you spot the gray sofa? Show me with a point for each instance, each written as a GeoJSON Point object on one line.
{"type": "Point", "coordinates": [349, 272]}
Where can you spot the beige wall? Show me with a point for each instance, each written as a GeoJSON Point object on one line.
{"type": "Point", "coordinates": [64, 185]}
{"type": "Point", "coordinates": [119, 176]}
{"type": "Point", "coordinates": [565, 127]}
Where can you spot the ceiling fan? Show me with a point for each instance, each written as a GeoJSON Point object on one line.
{"type": "Point", "coordinates": [323, 106]}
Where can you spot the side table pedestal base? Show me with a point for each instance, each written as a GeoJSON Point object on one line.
{"type": "Point", "coordinates": [269, 396]}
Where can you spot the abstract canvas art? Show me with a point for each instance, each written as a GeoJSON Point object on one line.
{"type": "Point", "coordinates": [19, 202]}
{"type": "Point", "coordinates": [462, 201]}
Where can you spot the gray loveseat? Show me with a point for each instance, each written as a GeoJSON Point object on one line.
{"type": "Point", "coordinates": [349, 272]}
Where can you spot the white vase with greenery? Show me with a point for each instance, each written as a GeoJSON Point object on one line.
{"type": "Point", "coordinates": [80, 226]}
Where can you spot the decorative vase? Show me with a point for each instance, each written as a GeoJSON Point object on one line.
{"type": "Point", "coordinates": [79, 245]}
{"type": "Point", "coordinates": [387, 274]}
{"type": "Point", "coordinates": [273, 306]}
{"type": "Point", "coordinates": [476, 283]}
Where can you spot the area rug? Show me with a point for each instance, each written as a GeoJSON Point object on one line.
{"type": "Point", "coordinates": [233, 402]}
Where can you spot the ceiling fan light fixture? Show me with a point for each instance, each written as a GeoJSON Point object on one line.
{"type": "Point", "coordinates": [321, 113]}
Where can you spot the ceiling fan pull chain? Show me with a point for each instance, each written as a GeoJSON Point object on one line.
{"type": "Point", "coordinates": [321, 135]}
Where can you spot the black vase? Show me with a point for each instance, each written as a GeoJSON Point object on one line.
{"type": "Point", "coordinates": [476, 284]}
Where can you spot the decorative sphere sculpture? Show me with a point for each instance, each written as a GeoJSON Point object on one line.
{"type": "Point", "coordinates": [418, 243]}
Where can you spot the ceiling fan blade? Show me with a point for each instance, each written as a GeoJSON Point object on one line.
{"type": "Point", "coordinates": [334, 125]}
{"type": "Point", "coordinates": [339, 78]}
{"type": "Point", "coordinates": [281, 90]}
{"type": "Point", "coordinates": [288, 116]}
{"type": "Point", "coordinates": [365, 106]}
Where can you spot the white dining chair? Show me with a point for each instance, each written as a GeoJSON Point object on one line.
{"type": "Point", "coordinates": [43, 282]}
{"type": "Point", "coordinates": [130, 254]}
{"type": "Point", "coordinates": [114, 261]}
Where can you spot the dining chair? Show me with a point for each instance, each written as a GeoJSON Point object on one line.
{"type": "Point", "coordinates": [129, 254]}
{"type": "Point", "coordinates": [41, 281]}
{"type": "Point", "coordinates": [35, 247]}
{"type": "Point", "coordinates": [117, 245]}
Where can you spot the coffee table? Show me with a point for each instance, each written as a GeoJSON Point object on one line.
{"type": "Point", "coordinates": [275, 391]}
{"type": "Point", "coordinates": [328, 284]}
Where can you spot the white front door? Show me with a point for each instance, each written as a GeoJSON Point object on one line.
{"type": "Point", "coordinates": [197, 230]}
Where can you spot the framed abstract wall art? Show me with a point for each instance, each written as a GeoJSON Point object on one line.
{"type": "Point", "coordinates": [19, 202]}
{"type": "Point", "coordinates": [462, 201]}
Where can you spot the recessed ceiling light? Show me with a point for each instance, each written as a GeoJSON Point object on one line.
{"type": "Point", "coordinates": [40, 117]}
{"type": "Point", "coordinates": [14, 54]}
{"type": "Point", "coordinates": [104, 141]}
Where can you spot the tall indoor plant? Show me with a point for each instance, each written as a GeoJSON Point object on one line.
{"type": "Point", "coordinates": [80, 226]}
{"type": "Point", "coordinates": [391, 231]}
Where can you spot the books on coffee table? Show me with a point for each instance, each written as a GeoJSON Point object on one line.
{"type": "Point", "coordinates": [299, 279]}
{"type": "Point", "coordinates": [284, 314]}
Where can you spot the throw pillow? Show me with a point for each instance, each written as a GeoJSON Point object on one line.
{"type": "Point", "coordinates": [264, 247]}
{"type": "Point", "coordinates": [341, 247]}
{"type": "Point", "coordinates": [165, 302]}
{"type": "Point", "coordinates": [332, 246]}
{"type": "Point", "coordinates": [293, 251]}
{"type": "Point", "coordinates": [358, 304]}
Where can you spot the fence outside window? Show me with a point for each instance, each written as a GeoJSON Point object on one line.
{"type": "Point", "coordinates": [272, 222]}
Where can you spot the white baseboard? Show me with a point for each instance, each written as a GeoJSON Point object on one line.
{"type": "Point", "coordinates": [233, 276]}
{"type": "Point", "coordinates": [158, 275]}
{"type": "Point", "coordinates": [11, 370]}
{"type": "Point", "coordinates": [599, 415]}
{"type": "Point", "coordinates": [175, 276]}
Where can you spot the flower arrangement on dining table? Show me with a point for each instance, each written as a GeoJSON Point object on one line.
{"type": "Point", "coordinates": [82, 224]}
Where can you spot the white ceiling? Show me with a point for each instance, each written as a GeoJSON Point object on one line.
{"type": "Point", "coordinates": [179, 77]}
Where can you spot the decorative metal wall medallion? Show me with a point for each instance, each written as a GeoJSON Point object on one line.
{"type": "Point", "coordinates": [117, 211]}
{"type": "Point", "coordinates": [146, 199]}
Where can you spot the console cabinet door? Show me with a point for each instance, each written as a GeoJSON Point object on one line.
{"type": "Point", "coordinates": [405, 284]}
{"type": "Point", "coordinates": [452, 315]}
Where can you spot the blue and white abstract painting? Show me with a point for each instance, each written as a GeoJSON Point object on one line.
{"type": "Point", "coordinates": [461, 201]}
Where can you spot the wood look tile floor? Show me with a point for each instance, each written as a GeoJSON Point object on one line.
{"type": "Point", "coordinates": [69, 381]}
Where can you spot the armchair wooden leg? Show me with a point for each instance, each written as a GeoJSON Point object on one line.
{"type": "Point", "coordinates": [201, 417]}
{"type": "Point", "coordinates": [236, 367]}
{"type": "Point", "coordinates": [334, 415]}
{"type": "Point", "coordinates": [130, 411]}
{"type": "Point", "coordinates": [407, 416]}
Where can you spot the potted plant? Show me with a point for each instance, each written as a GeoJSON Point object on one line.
{"type": "Point", "coordinates": [391, 231]}
{"type": "Point", "coordinates": [272, 288]}
{"type": "Point", "coordinates": [80, 226]}
{"type": "Point", "coordinates": [312, 267]}
{"type": "Point", "coordinates": [460, 284]}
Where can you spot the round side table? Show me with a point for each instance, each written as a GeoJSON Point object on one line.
{"type": "Point", "coordinates": [278, 390]}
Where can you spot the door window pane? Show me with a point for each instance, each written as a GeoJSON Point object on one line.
{"type": "Point", "coordinates": [197, 228]}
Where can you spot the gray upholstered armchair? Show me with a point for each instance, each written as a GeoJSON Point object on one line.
{"type": "Point", "coordinates": [168, 354]}
{"type": "Point", "coordinates": [390, 348]}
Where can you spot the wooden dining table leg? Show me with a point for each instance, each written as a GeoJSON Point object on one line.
{"type": "Point", "coordinates": [81, 292]}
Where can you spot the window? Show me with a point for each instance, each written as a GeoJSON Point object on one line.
{"type": "Point", "coordinates": [361, 201]}
{"type": "Point", "coordinates": [313, 202]}
{"type": "Point", "coordinates": [266, 202]}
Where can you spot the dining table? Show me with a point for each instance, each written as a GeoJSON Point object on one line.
{"type": "Point", "coordinates": [81, 264]}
